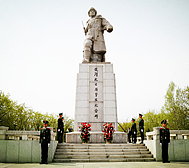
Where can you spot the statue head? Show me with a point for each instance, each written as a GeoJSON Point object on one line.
{"type": "Point", "coordinates": [92, 10]}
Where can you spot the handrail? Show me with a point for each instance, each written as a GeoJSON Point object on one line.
{"type": "Point", "coordinates": [121, 127]}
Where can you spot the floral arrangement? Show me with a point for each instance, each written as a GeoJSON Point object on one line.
{"type": "Point", "coordinates": [84, 129]}
{"type": "Point", "coordinates": [108, 132]}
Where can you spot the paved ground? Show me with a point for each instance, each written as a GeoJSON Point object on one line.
{"type": "Point", "coordinates": [100, 165]}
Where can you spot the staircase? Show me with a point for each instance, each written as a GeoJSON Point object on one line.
{"type": "Point", "coordinates": [102, 153]}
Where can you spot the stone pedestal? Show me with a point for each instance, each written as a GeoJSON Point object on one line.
{"type": "Point", "coordinates": [96, 137]}
{"type": "Point", "coordinates": [96, 96]}
{"type": "Point", "coordinates": [96, 102]}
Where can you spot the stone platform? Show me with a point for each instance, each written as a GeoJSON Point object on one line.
{"type": "Point", "coordinates": [96, 137]}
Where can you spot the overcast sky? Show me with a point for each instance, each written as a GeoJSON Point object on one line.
{"type": "Point", "coordinates": [41, 46]}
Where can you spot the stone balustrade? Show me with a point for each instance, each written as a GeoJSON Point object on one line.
{"type": "Point", "coordinates": [23, 146]}
{"type": "Point", "coordinates": [6, 134]}
{"type": "Point", "coordinates": [178, 148]}
{"type": "Point", "coordinates": [174, 134]}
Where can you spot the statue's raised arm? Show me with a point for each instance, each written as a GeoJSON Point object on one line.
{"type": "Point", "coordinates": [94, 45]}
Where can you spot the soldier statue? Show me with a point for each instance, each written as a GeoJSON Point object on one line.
{"type": "Point", "coordinates": [164, 141]}
{"type": "Point", "coordinates": [60, 129]}
{"type": "Point", "coordinates": [45, 138]}
{"type": "Point", "coordinates": [94, 45]}
{"type": "Point", "coordinates": [134, 131]}
{"type": "Point", "coordinates": [141, 127]}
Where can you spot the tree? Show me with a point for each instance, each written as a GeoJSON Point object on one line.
{"type": "Point", "coordinates": [153, 119]}
{"type": "Point", "coordinates": [7, 111]}
{"type": "Point", "coordinates": [125, 125]}
{"type": "Point", "coordinates": [36, 121]}
{"type": "Point", "coordinates": [68, 123]}
{"type": "Point", "coordinates": [19, 117]}
{"type": "Point", "coordinates": [176, 107]}
{"type": "Point", "coordinates": [175, 110]}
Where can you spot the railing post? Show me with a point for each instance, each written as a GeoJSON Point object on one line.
{"type": "Point", "coordinates": [24, 137]}
{"type": "Point", "coordinates": [3, 131]}
{"type": "Point", "coordinates": [156, 133]}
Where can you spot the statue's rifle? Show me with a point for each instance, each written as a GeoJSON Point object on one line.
{"type": "Point", "coordinates": [83, 27]}
{"type": "Point", "coordinates": [121, 127]}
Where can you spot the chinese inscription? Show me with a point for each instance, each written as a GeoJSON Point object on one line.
{"type": "Point", "coordinates": [96, 94]}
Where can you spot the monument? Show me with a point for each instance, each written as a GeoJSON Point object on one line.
{"type": "Point", "coordinates": [94, 45]}
{"type": "Point", "coordinates": [96, 87]}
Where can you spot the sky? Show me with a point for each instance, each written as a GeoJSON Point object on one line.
{"type": "Point", "coordinates": [41, 47]}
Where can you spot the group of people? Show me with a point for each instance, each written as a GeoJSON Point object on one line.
{"type": "Point", "coordinates": [45, 137]}
{"type": "Point", "coordinates": [133, 131]}
{"type": "Point", "coordinates": [163, 132]}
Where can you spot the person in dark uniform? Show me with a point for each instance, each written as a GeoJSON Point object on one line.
{"type": "Point", "coordinates": [134, 131]}
{"type": "Point", "coordinates": [164, 141]}
{"type": "Point", "coordinates": [70, 129]}
{"type": "Point", "coordinates": [45, 138]}
{"type": "Point", "coordinates": [141, 128]}
{"type": "Point", "coordinates": [60, 129]}
{"type": "Point", "coordinates": [129, 135]}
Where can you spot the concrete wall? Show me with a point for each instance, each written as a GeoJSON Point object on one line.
{"type": "Point", "coordinates": [178, 149]}
{"type": "Point", "coordinates": [13, 151]}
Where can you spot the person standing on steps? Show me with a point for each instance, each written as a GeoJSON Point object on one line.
{"type": "Point", "coordinates": [129, 135]}
{"type": "Point", "coordinates": [164, 141]}
{"type": "Point", "coordinates": [60, 129]}
{"type": "Point", "coordinates": [134, 131]}
{"type": "Point", "coordinates": [141, 128]}
{"type": "Point", "coordinates": [45, 138]}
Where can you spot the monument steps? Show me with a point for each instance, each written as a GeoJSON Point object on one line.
{"type": "Point", "coordinates": [102, 156]}
{"type": "Point", "coordinates": [106, 160]}
{"type": "Point", "coordinates": [102, 153]}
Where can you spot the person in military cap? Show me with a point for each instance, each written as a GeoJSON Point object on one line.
{"type": "Point", "coordinates": [134, 131]}
{"type": "Point", "coordinates": [141, 127]}
{"type": "Point", "coordinates": [60, 129]}
{"type": "Point", "coordinates": [45, 138]}
{"type": "Point", "coordinates": [164, 141]}
{"type": "Point", "coordinates": [70, 129]}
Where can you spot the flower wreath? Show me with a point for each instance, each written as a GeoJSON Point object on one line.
{"type": "Point", "coordinates": [85, 134]}
{"type": "Point", "coordinates": [108, 132]}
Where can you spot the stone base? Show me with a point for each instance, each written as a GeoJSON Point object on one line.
{"type": "Point", "coordinates": [94, 126]}
{"type": "Point", "coordinates": [96, 137]}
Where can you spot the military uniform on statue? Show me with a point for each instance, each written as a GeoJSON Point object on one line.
{"type": "Point", "coordinates": [134, 131]}
{"type": "Point", "coordinates": [164, 141]}
{"type": "Point", "coordinates": [141, 128]}
{"type": "Point", "coordinates": [45, 138]}
{"type": "Point", "coordinates": [94, 45]}
{"type": "Point", "coordinates": [60, 129]}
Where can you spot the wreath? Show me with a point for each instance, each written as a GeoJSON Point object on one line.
{"type": "Point", "coordinates": [85, 134]}
{"type": "Point", "coordinates": [108, 132]}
